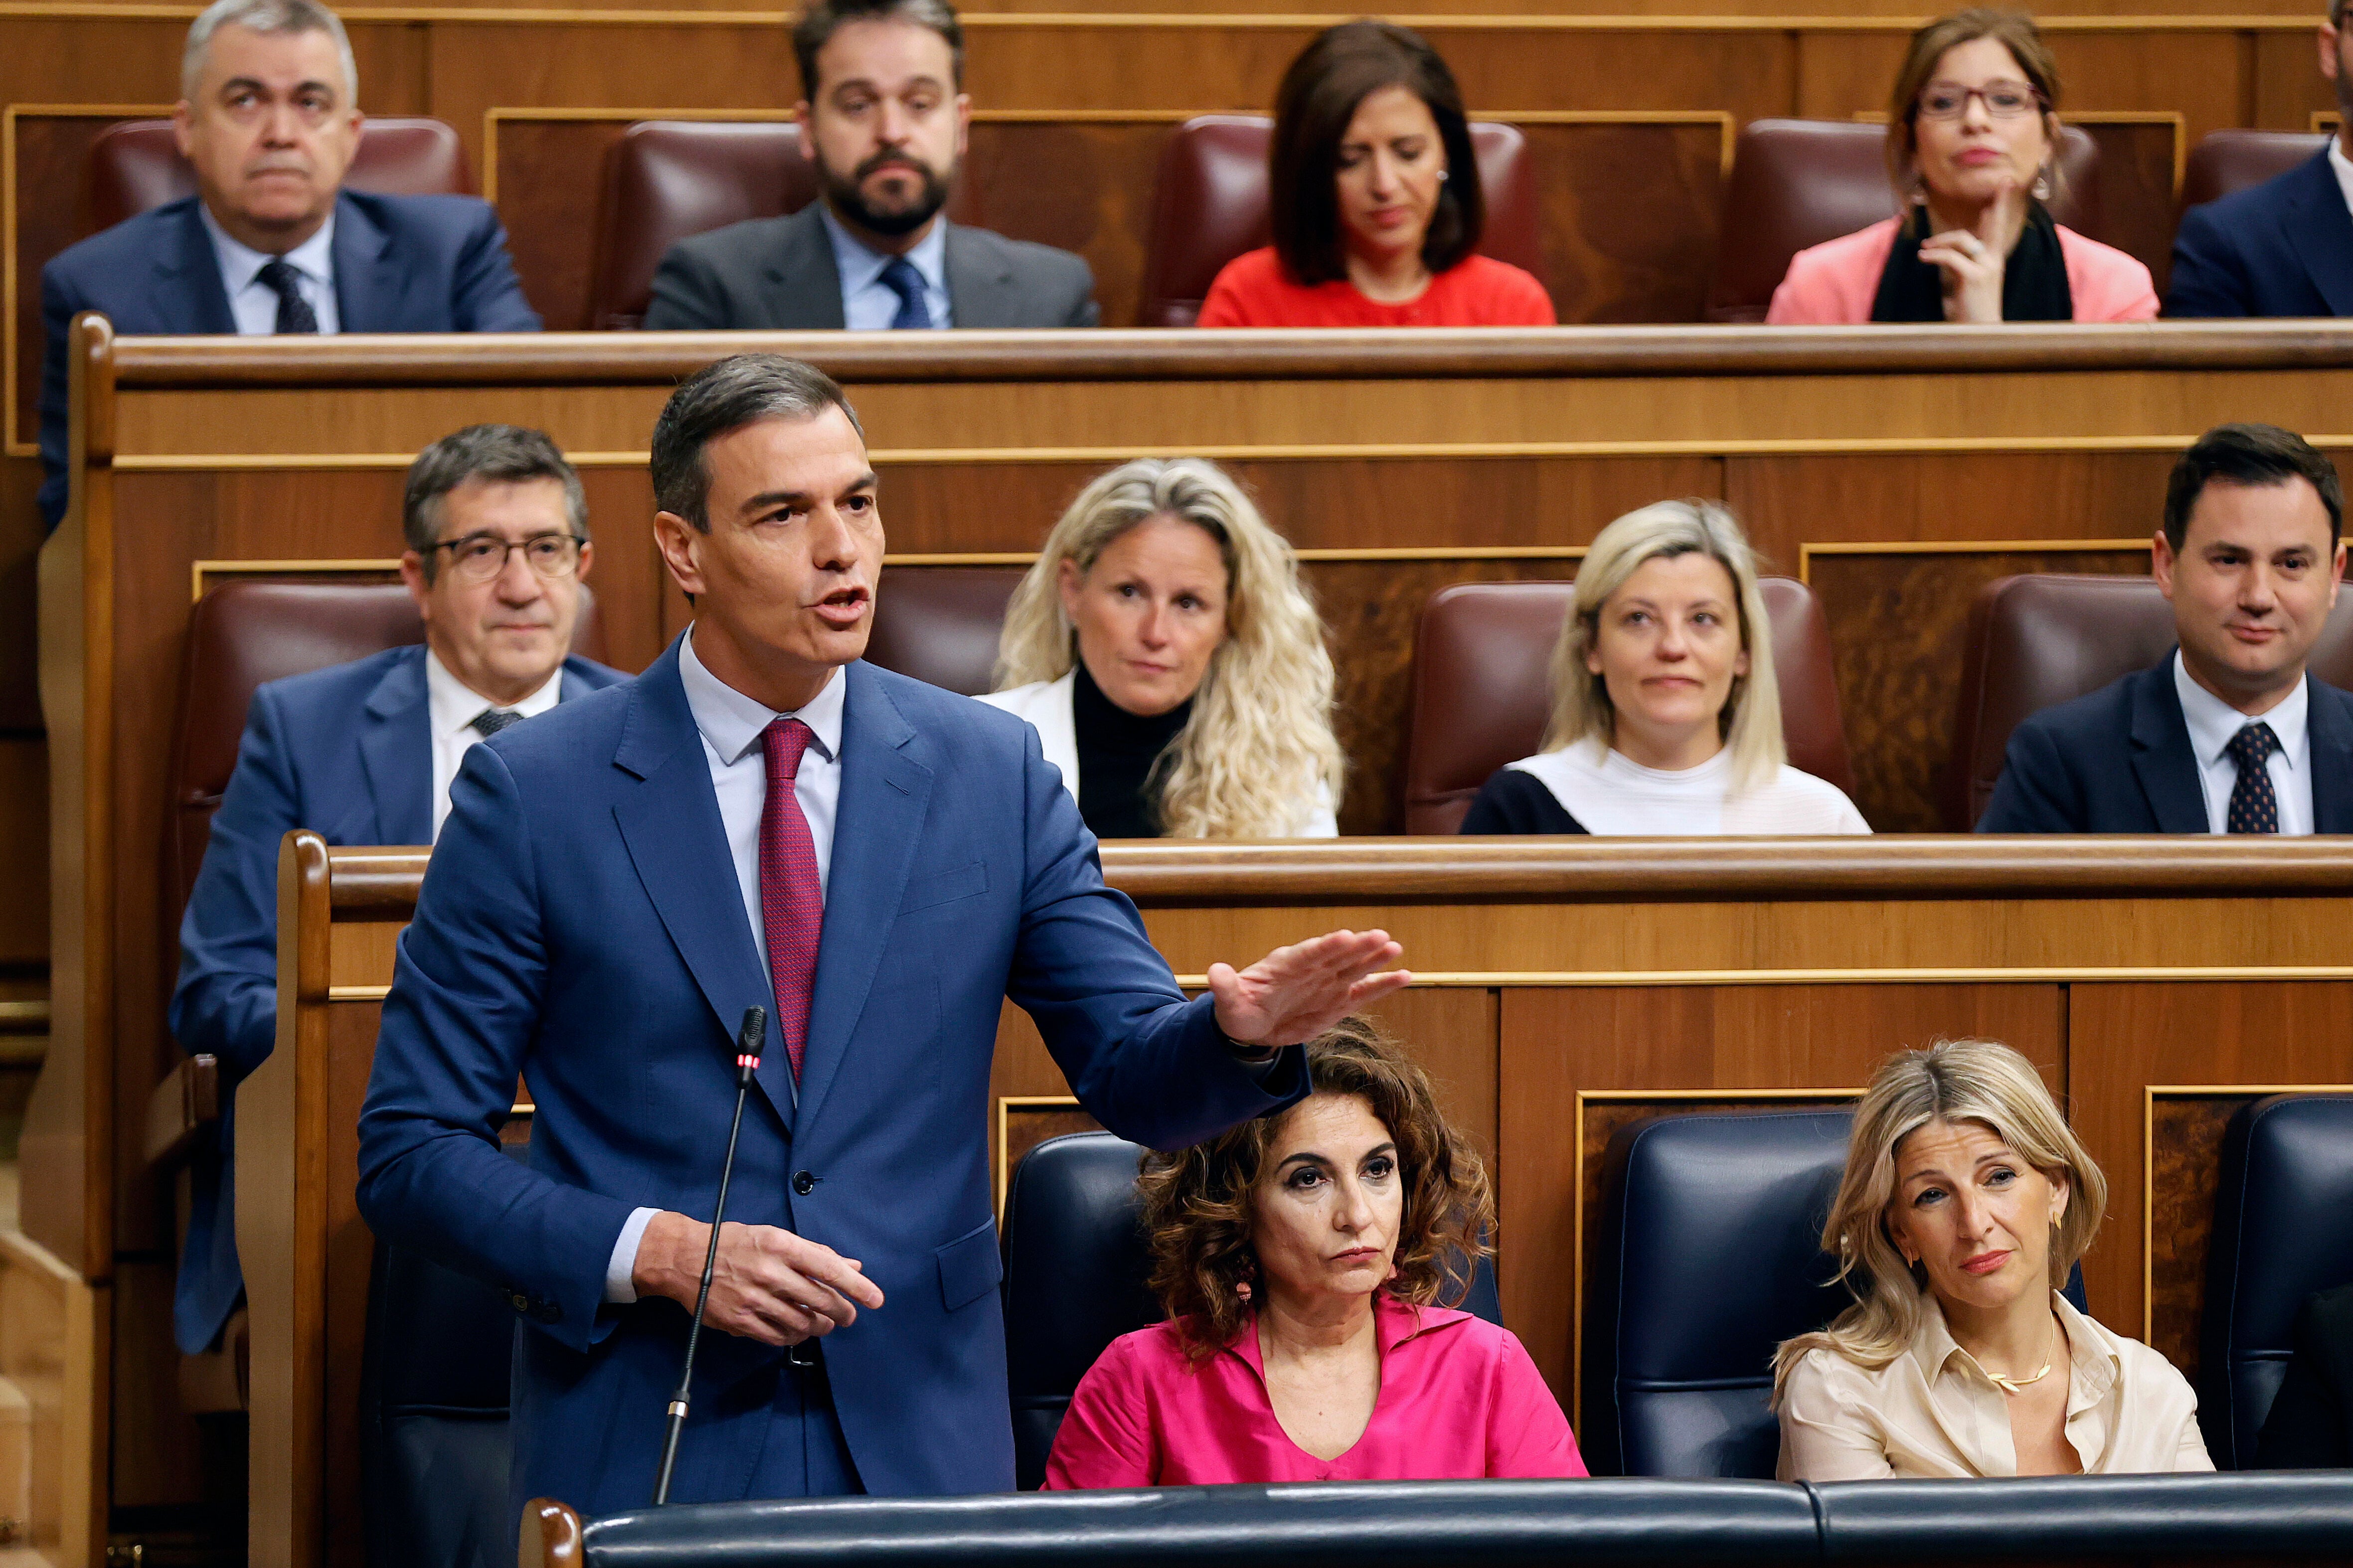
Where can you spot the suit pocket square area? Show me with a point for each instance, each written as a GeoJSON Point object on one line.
{"type": "Point", "coordinates": [927, 892]}
{"type": "Point", "coordinates": [970, 1266]}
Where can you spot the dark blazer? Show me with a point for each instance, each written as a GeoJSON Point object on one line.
{"type": "Point", "coordinates": [2310, 1427]}
{"type": "Point", "coordinates": [2281, 248]}
{"type": "Point", "coordinates": [580, 924]}
{"type": "Point", "coordinates": [348, 752]}
{"type": "Point", "coordinates": [777, 274]}
{"type": "Point", "coordinates": [2119, 760]}
{"type": "Point", "coordinates": [403, 264]}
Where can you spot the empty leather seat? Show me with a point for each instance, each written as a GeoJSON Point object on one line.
{"type": "Point", "coordinates": [2228, 160]}
{"type": "Point", "coordinates": [135, 167]}
{"type": "Point", "coordinates": [1209, 206]}
{"type": "Point", "coordinates": [2283, 1230]}
{"type": "Point", "coordinates": [1075, 1272]}
{"type": "Point", "coordinates": [667, 180]}
{"type": "Point", "coordinates": [1797, 184]}
{"type": "Point", "coordinates": [1481, 690]}
{"type": "Point", "coordinates": [940, 623]}
{"type": "Point", "coordinates": [2037, 641]}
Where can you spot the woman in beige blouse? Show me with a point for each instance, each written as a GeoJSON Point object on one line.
{"type": "Point", "coordinates": [1966, 1203]}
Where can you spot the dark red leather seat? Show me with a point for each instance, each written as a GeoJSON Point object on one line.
{"type": "Point", "coordinates": [940, 623]}
{"type": "Point", "coordinates": [135, 167]}
{"type": "Point", "coordinates": [1209, 206]}
{"type": "Point", "coordinates": [2228, 160]}
{"type": "Point", "coordinates": [1481, 690]}
{"type": "Point", "coordinates": [2037, 641]}
{"type": "Point", "coordinates": [666, 180]}
{"type": "Point", "coordinates": [1798, 183]}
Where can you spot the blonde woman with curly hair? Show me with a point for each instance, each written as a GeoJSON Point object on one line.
{"type": "Point", "coordinates": [1172, 663]}
{"type": "Point", "coordinates": [1307, 1263]}
{"type": "Point", "coordinates": [1965, 1204]}
{"type": "Point", "coordinates": [1666, 717]}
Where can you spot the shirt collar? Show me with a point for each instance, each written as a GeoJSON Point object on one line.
{"type": "Point", "coordinates": [2212, 721]}
{"type": "Point", "coordinates": [2094, 1366]}
{"type": "Point", "coordinates": [240, 264]}
{"type": "Point", "coordinates": [2343, 166]}
{"type": "Point", "coordinates": [454, 706]}
{"type": "Point", "coordinates": [732, 723]}
{"type": "Point", "coordinates": [861, 267]}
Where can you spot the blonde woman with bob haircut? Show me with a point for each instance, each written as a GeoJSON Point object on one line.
{"type": "Point", "coordinates": [1965, 1204]}
{"type": "Point", "coordinates": [1666, 719]}
{"type": "Point", "coordinates": [1172, 663]}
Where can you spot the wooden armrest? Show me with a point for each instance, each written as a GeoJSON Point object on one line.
{"type": "Point", "coordinates": [182, 1106]}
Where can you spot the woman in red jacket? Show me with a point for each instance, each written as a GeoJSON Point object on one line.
{"type": "Point", "coordinates": [1374, 198]}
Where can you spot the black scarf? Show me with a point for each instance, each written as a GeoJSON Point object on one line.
{"type": "Point", "coordinates": [1117, 749]}
{"type": "Point", "coordinates": [2033, 279]}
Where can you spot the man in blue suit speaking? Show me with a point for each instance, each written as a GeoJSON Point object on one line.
{"type": "Point", "coordinates": [268, 119]}
{"type": "Point", "coordinates": [762, 818]}
{"type": "Point", "coordinates": [497, 527]}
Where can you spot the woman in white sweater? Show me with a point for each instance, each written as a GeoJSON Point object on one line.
{"type": "Point", "coordinates": [1172, 663]}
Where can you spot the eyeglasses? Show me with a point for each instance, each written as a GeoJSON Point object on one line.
{"type": "Point", "coordinates": [479, 557]}
{"type": "Point", "coordinates": [2003, 99]}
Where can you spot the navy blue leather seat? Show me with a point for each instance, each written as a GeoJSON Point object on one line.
{"type": "Point", "coordinates": [2283, 1229]}
{"type": "Point", "coordinates": [1075, 1273]}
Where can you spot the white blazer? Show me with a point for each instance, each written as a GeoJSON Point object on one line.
{"type": "Point", "coordinates": [1048, 706]}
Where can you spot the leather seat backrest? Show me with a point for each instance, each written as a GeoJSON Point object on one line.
{"type": "Point", "coordinates": [1209, 206]}
{"type": "Point", "coordinates": [242, 634]}
{"type": "Point", "coordinates": [2283, 1230]}
{"type": "Point", "coordinates": [668, 180]}
{"type": "Point", "coordinates": [1482, 690]}
{"type": "Point", "coordinates": [940, 623]}
{"type": "Point", "coordinates": [1076, 1268]}
{"type": "Point", "coordinates": [135, 167]}
{"type": "Point", "coordinates": [434, 1374]}
{"type": "Point", "coordinates": [2228, 160]}
{"type": "Point", "coordinates": [1797, 184]}
{"type": "Point", "coordinates": [2037, 641]}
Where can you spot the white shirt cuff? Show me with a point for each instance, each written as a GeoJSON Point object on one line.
{"type": "Point", "coordinates": [620, 1270]}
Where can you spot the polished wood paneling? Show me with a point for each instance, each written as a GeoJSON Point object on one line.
{"type": "Point", "coordinates": [2185, 1147]}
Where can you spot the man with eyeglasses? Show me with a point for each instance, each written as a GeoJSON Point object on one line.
{"type": "Point", "coordinates": [363, 752]}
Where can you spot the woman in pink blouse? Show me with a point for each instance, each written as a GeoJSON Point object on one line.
{"type": "Point", "coordinates": [1301, 1259]}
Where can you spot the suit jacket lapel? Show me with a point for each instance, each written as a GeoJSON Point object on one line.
{"type": "Point", "coordinates": [2320, 227]}
{"type": "Point", "coordinates": [980, 287]}
{"type": "Point", "coordinates": [367, 278]}
{"type": "Point", "coordinates": [396, 751]}
{"type": "Point", "coordinates": [2162, 757]}
{"type": "Point", "coordinates": [187, 284]}
{"type": "Point", "coordinates": [885, 794]}
{"type": "Point", "coordinates": [803, 285]}
{"type": "Point", "coordinates": [679, 847]}
{"type": "Point", "coordinates": [2328, 729]}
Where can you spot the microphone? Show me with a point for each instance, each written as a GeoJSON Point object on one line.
{"type": "Point", "coordinates": [749, 1035]}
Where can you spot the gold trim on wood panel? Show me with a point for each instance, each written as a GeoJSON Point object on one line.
{"type": "Point", "coordinates": [200, 570]}
{"type": "Point", "coordinates": [1004, 1168]}
{"type": "Point", "coordinates": [1399, 553]}
{"type": "Point", "coordinates": [2150, 1093]}
{"type": "Point", "coordinates": [1438, 979]}
{"type": "Point", "coordinates": [358, 993]}
{"type": "Point", "coordinates": [1576, 1196]}
{"type": "Point", "coordinates": [1807, 552]}
{"type": "Point", "coordinates": [8, 281]}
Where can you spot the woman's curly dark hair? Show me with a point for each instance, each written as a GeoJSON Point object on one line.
{"type": "Point", "coordinates": [1196, 1212]}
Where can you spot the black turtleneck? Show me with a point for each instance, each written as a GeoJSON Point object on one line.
{"type": "Point", "coordinates": [1116, 751]}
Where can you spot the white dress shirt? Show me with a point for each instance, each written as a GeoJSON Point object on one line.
{"type": "Point", "coordinates": [731, 725]}
{"type": "Point", "coordinates": [452, 707]}
{"type": "Point", "coordinates": [869, 304]}
{"type": "Point", "coordinates": [2212, 724]}
{"type": "Point", "coordinates": [255, 303]}
{"type": "Point", "coordinates": [2344, 167]}
{"type": "Point", "coordinates": [1610, 793]}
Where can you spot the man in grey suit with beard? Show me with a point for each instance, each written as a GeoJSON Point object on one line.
{"type": "Point", "coordinates": [886, 119]}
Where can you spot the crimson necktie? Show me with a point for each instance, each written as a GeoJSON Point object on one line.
{"type": "Point", "coordinates": [792, 909]}
{"type": "Point", "coordinates": [2255, 805]}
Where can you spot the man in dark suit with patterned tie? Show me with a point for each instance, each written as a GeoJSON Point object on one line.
{"type": "Point", "coordinates": [268, 119]}
{"type": "Point", "coordinates": [2230, 733]}
{"type": "Point", "coordinates": [497, 528]}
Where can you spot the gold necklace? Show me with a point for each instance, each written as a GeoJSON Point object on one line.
{"type": "Point", "coordinates": [2010, 1385]}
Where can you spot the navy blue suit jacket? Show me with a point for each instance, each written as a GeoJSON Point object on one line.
{"type": "Point", "coordinates": [347, 753]}
{"type": "Point", "coordinates": [2281, 248]}
{"type": "Point", "coordinates": [581, 922]}
{"type": "Point", "coordinates": [403, 264]}
{"type": "Point", "coordinates": [2119, 760]}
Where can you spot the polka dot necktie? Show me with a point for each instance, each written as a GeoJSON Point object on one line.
{"type": "Point", "coordinates": [2255, 805]}
{"type": "Point", "coordinates": [294, 312]}
{"type": "Point", "coordinates": [792, 907]}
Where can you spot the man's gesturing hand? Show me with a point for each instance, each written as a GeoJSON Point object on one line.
{"type": "Point", "coordinates": [1296, 992]}
{"type": "Point", "coordinates": [768, 1285]}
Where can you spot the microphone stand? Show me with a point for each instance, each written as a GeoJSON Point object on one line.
{"type": "Point", "coordinates": [749, 1037]}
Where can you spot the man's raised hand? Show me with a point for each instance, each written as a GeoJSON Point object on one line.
{"type": "Point", "coordinates": [1296, 992]}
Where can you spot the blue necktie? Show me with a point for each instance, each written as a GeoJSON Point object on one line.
{"type": "Point", "coordinates": [2255, 805]}
{"type": "Point", "coordinates": [901, 278]}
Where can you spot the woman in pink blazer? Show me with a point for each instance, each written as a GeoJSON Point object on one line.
{"type": "Point", "coordinates": [1971, 137]}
